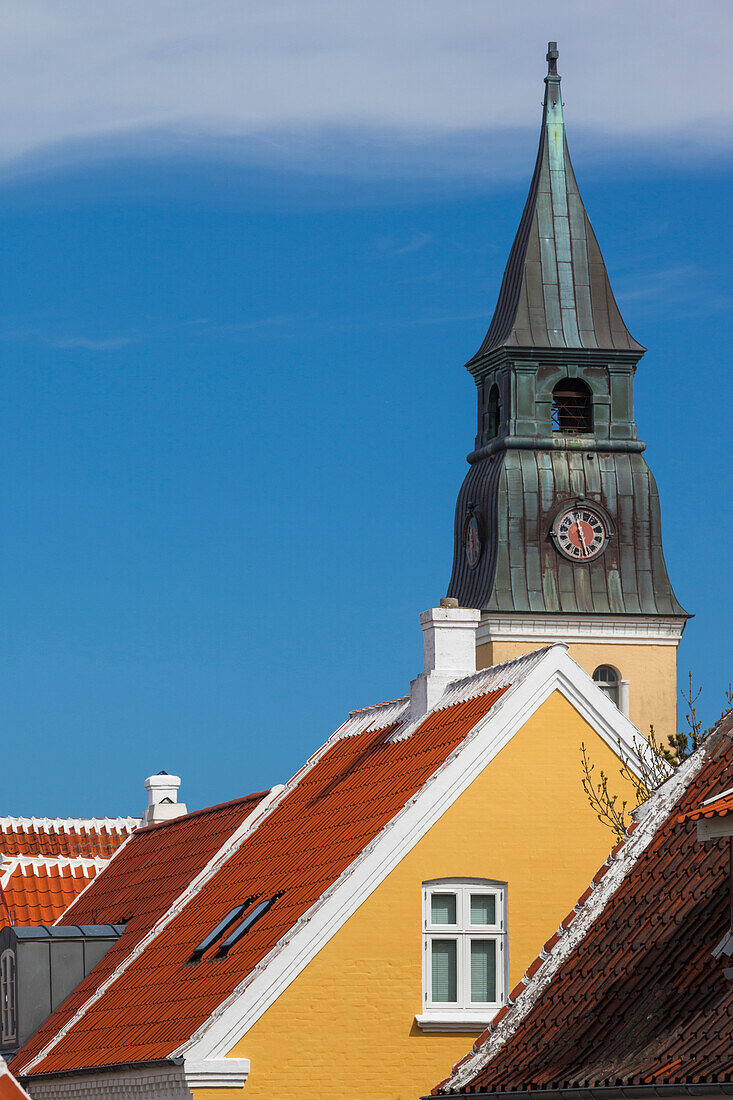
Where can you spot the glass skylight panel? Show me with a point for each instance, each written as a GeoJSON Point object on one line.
{"type": "Point", "coordinates": [219, 930]}
{"type": "Point", "coordinates": [244, 926]}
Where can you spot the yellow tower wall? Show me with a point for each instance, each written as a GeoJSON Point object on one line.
{"type": "Point", "coordinates": [345, 1027]}
{"type": "Point", "coordinates": [650, 669]}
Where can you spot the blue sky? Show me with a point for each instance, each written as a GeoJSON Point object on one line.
{"type": "Point", "coordinates": [243, 265]}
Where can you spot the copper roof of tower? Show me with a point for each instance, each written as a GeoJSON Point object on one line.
{"type": "Point", "coordinates": [555, 292]}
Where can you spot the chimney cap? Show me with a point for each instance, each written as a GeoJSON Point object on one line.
{"type": "Point", "coordinates": [162, 779]}
{"type": "Point", "coordinates": [449, 601]}
{"type": "Point", "coordinates": [163, 804]}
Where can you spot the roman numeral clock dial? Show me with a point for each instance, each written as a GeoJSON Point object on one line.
{"type": "Point", "coordinates": [580, 533]}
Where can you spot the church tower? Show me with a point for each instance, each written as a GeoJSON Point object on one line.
{"type": "Point", "coordinates": [557, 529]}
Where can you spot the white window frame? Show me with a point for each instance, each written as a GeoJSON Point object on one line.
{"type": "Point", "coordinates": [8, 1001]}
{"type": "Point", "coordinates": [622, 687]}
{"type": "Point", "coordinates": [464, 1014]}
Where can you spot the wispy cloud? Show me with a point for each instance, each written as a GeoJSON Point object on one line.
{"type": "Point", "coordinates": [39, 333]}
{"type": "Point", "coordinates": [682, 288]}
{"type": "Point", "coordinates": [394, 247]}
{"type": "Point", "coordinates": [268, 76]}
{"type": "Point", "coordinates": [92, 343]}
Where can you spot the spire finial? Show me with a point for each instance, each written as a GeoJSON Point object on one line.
{"type": "Point", "coordinates": [552, 80]}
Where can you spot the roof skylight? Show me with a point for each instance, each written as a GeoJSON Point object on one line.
{"type": "Point", "coordinates": [220, 929]}
{"type": "Point", "coordinates": [244, 926]}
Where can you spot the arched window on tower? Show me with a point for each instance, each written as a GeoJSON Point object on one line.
{"type": "Point", "coordinates": [493, 413]}
{"type": "Point", "coordinates": [572, 409]}
{"type": "Point", "coordinates": [609, 681]}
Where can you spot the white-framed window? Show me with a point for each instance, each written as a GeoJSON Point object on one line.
{"type": "Point", "coordinates": [8, 1015]}
{"type": "Point", "coordinates": [609, 681]}
{"type": "Point", "coordinates": [464, 952]}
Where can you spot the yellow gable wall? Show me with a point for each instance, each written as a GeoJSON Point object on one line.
{"type": "Point", "coordinates": [345, 1026]}
{"type": "Point", "coordinates": [650, 669]}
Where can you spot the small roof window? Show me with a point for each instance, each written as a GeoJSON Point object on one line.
{"type": "Point", "coordinates": [241, 926]}
{"type": "Point", "coordinates": [244, 926]}
{"type": "Point", "coordinates": [220, 929]}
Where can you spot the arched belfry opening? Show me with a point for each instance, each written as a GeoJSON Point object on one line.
{"type": "Point", "coordinates": [557, 532]}
{"type": "Point", "coordinates": [572, 407]}
{"type": "Point", "coordinates": [493, 413]}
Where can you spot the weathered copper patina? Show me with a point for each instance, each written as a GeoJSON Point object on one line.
{"type": "Point", "coordinates": [557, 330]}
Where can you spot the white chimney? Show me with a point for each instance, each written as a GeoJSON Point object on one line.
{"type": "Point", "coordinates": [163, 804]}
{"type": "Point", "coordinates": [449, 653]}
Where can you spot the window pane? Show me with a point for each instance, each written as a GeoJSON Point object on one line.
{"type": "Point", "coordinates": [483, 909]}
{"type": "Point", "coordinates": [444, 970]}
{"type": "Point", "coordinates": [483, 970]}
{"type": "Point", "coordinates": [443, 908]}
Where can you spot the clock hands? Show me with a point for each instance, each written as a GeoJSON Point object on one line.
{"type": "Point", "coordinates": [581, 535]}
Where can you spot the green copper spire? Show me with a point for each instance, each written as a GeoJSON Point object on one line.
{"type": "Point", "coordinates": [555, 292]}
{"type": "Point", "coordinates": [556, 429]}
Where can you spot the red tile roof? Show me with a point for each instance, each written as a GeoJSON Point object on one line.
{"type": "Point", "coordinates": [9, 1087]}
{"type": "Point", "coordinates": [46, 862]}
{"type": "Point", "coordinates": [44, 836]}
{"type": "Point", "coordinates": [627, 992]}
{"type": "Point", "coordinates": [149, 873]}
{"type": "Point", "coordinates": [713, 807]}
{"type": "Point", "coordinates": [38, 890]}
{"type": "Point", "coordinates": [324, 820]}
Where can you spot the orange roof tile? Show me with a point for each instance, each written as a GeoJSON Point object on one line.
{"type": "Point", "coordinates": [717, 806]}
{"type": "Point", "coordinates": [9, 1087]}
{"type": "Point", "coordinates": [149, 873]}
{"type": "Point", "coordinates": [632, 994]}
{"type": "Point", "coordinates": [325, 819]}
{"type": "Point", "coordinates": [38, 891]}
{"type": "Point", "coordinates": [85, 837]}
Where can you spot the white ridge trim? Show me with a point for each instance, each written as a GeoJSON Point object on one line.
{"type": "Point", "coordinates": [554, 670]}
{"type": "Point", "coordinates": [661, 803]}
{"type": "Point", "coordinates": [68, 824]}
{"type": "Point", "coordinates": [252, 820]}
{"type": "Point", "coordinates": [31, 865]}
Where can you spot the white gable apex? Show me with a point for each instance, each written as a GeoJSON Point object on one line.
{"type": "Point", "coordinates": [553, 670]}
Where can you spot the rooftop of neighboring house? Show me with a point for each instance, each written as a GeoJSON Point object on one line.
{"type": "Point", "coordinates": [630, 992]}
{"type": "Point", "coordinates": [59, 836]}
{"type": "Point", "coordinates": [218, 902]}
{"type": "Point", "coordinates": [9, 1087]}
{"type": "Point", "coordinates": [38, 889]}
{"type": "Point", "coordinates": [46, 862]}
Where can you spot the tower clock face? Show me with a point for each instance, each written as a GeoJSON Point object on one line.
{"type": "Point", "coordinates": [472, 542]}
{"type": "Point", "coordinates": [580, 533]}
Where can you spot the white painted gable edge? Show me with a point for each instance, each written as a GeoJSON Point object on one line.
{"type": "Point", "coordinates": [36, 864]}
{"type": "Point", "coordinates": [236, 838]}
{"type": "Point", "coordinates": [659, 806]}
{"type": "Point", "coordinates": [555, 671]}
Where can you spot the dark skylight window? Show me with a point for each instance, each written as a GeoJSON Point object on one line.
{"type": "Point", "coordinates": [220, 929]}
{"type": "Point", "coordinates": [244, 926]}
